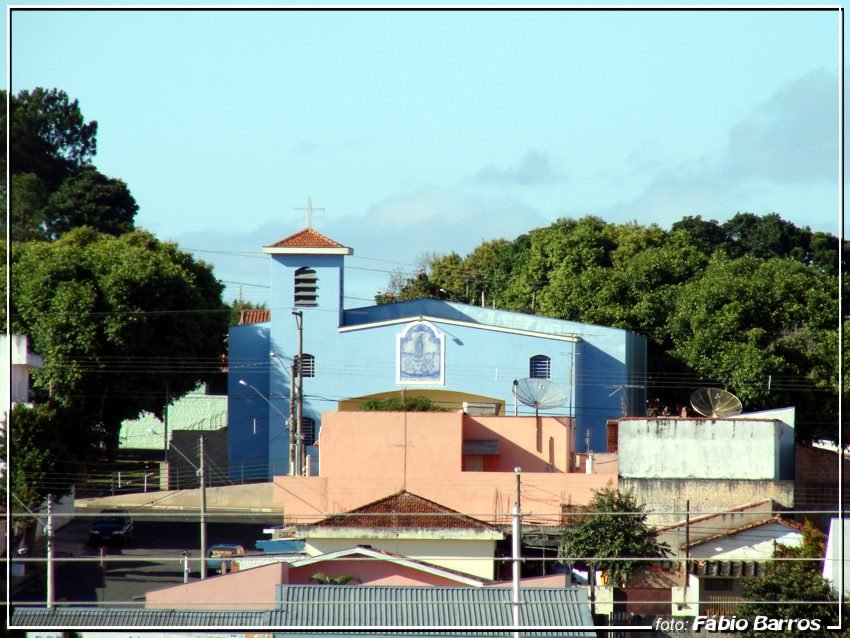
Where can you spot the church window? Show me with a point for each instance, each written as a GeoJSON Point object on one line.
{"type": "Point", "coordinates": [539, 367]}
{"type": "Point", "coordinates": [306, 287]}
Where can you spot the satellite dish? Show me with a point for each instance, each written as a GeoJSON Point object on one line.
{"type": "Point", "coordinates": [539, 393]}
{"type": "Point", "coordinates": [714, 402]}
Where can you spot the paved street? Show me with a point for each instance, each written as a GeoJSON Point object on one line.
{"type": "Point", "coordinates": [151, 561]}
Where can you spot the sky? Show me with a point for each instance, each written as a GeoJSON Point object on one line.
{"type": "Point", "coordinates": [430, 131]}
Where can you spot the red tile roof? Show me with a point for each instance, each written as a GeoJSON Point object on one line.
{"type": "Point", "coordinates": [255, 315]}
{"type": "Point", "coordinates": [307, 238]}
{"type": "Point", "coordinates": [404, 510]}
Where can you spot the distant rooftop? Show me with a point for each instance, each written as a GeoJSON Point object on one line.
{"type": "Point", "coordinates": [404, 510]}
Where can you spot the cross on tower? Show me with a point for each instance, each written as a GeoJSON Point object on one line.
{"type": "Point", "coordinates": [309, 211]}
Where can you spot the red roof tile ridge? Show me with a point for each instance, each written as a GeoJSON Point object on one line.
{"type": "Point", "coordinates": [307, 238]}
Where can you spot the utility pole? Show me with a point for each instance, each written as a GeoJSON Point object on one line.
{"type": "Point", "coordinates": [299, 403]}
{"type": "Point", "coordinates": [292, 417]}
{"type": "Point", "coordinates": [48, 532]}
{"type": "Point", "coordinates": [165, 422]}
{"type": "Point", "coordinates": [203, 511]}
{"type": "Point", "coordinates": [516, 545]}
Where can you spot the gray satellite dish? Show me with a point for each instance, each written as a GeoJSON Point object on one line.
{"type": "Point", "coordinates": [714, 402]}
{"type": "Point", "coordinates": [539, 393]}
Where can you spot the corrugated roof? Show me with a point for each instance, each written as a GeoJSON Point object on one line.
{"type": "Point", "coordinates": [115, 617]}
{"type": "Point", "coordinates": [255, 315]}
{"type": "Point", "coordinates": [404, 510]}
{"type": "Point", "coordinates": [307, 238]}
{"type": "Point", "coordinates": [374, 606]}
{"type": "Point", "coordinates": [743, 528]}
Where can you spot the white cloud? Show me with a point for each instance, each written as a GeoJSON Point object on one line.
{"type": "Point", "coordinates": [533, 168]}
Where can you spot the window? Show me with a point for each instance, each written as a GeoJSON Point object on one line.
{"type": "Point", "coordinates": [305, 287]}
{"type": "Point", "coordinates": [308, 430]}
{"type": "Point", "coordinates": [308, 365]}
{"type": "Point", "coordinates": [539, 367]}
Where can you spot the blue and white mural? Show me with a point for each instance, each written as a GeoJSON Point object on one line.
{"type": "Point", "coordinates": [421, 353]}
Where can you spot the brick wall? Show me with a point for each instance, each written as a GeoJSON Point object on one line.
{"type": "Point", "coordinates": [816, 484]}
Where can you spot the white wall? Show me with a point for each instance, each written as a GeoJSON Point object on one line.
{"type": "Point", "coordinates": [700, 448]}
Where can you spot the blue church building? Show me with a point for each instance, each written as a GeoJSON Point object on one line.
{"type": "Point", "coordinates": [460, 356]}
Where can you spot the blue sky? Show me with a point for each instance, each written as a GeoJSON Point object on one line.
{"type": "Point", "coordinates": [430, 131]}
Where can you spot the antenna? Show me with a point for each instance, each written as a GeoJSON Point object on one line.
{"type": "Point", "coordinates": [539, 393]}
{"type": "Point", "coordinates": [715, 402]}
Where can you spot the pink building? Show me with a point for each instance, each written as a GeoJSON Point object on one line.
{"type": "Point", "coordinates": [461, 461]}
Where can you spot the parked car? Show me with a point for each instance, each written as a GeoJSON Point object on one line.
{"type": "Point", "coordinates": [219, 557]}
{"type": "Point", "coordinates": [111, 526]}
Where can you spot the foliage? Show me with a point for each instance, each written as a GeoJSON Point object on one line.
{"type": "Point", "coordinates": [237, 306]}
{"type": "Point", "coordinates": [396, 404]}
{"type": "Point", "coordinates": [792, 588]}
{"type": "Point", "coordinates": [615, 528]}
{"type": "Point", "coordinates": [401, 289]}
{"type": "Point", "coordinates": [47, 443]}
{"type": "Point", "coordinates": [54, 186]}
{"type": "Point", "coordinates": [324, 579]}
{"type": "Point", "coordinates": [119, 321]}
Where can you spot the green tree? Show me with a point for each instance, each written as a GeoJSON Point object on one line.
{"type": "Point", "coordinates": [89, 198]}
{"type": "Point", "coordinates": [613, 532]}
{"type": "Point", "coordinates": [54, 186]}
{"type": "Point", "coordinates": [764, 329]}
{"type": "Point", "coordinates": [792, 588]}
{"type": "Point", "coordinates": [119, 321]}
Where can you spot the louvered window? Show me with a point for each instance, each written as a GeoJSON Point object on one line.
{"type": "Point", "coordinates": [308, 365]}
{"type": "Point", "coordinates": [306, 287]}
{"type": "Point", "coordinates": [308, 430]}
{"type": "Point", "coordinates": [539, 367]}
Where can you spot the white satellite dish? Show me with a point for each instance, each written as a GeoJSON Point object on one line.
{"type": "Point", "coordinates": [539, 393]}
{"type": "Point", "coordinates": [715, 403]}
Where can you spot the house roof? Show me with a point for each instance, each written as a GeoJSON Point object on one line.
{"type": "Point", "coordinates": [313, 606]}
{"type": "Point", "coordinates": [307, 241]}
{"type": "Point", "coordinates": [403, 510]}
{"type": "Point", "coordinates": [697, 519]}
{"type": "Point", "coordinates": [255, 315]}
{"type": "Point", "coordinates": [70, 617]}
{"type": "Point", "coordinates": [398, 559]}
{"type": "Point", "coordinates": [743, 528]}
{"type": "Point", "coordinates": [380, 606]}
{"type": "Point", "coordinates": [454, 313]}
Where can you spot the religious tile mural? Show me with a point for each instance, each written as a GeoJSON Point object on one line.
{"type": "Point", "coordinates": [421, 350]}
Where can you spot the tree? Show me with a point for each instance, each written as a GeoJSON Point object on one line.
{"type": "Point", "coordinates": [763, 328]}
{"type": "Point", "coordinates": [613, 532]}
{"type": "Point", "coordinates": [396, 404]}
{"type": "Point", "coordinates": [793, 588]}
{"type": "Point", "coordinates": [54, 186]}
{"type": "Point", "coordinates": [89, 198]}
{"type": "Point", "coordinates": [120, 322]}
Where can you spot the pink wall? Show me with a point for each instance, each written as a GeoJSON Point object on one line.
{"type": "Point", "coordinates": [249, 589]}
{"type": "Point", "coordinates": [366, 456]}
{"type": "Point", "coordinates": [526, 441]}
{"type": "Point", "coordinates": [369, 572]}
